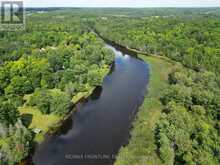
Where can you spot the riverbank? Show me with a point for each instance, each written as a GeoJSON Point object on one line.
{"type": "Point", "coordinates": [107, 114]}
{"type": "Point", "coordinates": [141, 147]}
{"type": "Point", "coordinates": [127, 50]}
{"type": "Point", "coordinates": [42, 124]}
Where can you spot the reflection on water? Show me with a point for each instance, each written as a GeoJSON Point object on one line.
{"type": "Point", "coordinates": [101, 124]}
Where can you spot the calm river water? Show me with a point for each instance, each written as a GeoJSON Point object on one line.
{"type": "Point", "coordinates": [101, 124]}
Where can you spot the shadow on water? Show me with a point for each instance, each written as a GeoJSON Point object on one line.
{"type": "Point", "coordinates": [96, 93]}
{"type": "Point", "coordinates": [68, 123]}
{"type": "Point", "coordinates": [94, 134]}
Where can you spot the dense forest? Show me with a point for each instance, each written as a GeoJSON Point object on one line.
{"type": "Point", "coordinates": [188, 129]}
{"type": "Point", "coordinates": [58, 58]}
{"type": "Point", "coordinates": [194, 40]}
{"type": "Point", "coordinates": [43, 68]}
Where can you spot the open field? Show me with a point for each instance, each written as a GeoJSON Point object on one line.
{"type": "Point", "coordinates": [37, 120]}
{"type": "Point", "coordinates": [147, 117]}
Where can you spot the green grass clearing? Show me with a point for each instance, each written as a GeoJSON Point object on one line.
{"type": "Point", "coordinates": [36, 120]}
{"type": "Point", "coordinates": [141, 147]}
{"type": "Point", "coordinates": [81, 95]}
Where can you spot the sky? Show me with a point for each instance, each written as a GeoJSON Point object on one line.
{"type": "Point", "coordinates": [122, 3]}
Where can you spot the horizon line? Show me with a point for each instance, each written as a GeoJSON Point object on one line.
{"type": "Point", "coordinates": [123, 7]}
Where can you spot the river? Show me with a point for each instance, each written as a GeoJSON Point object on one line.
{"type": "Point", "coordinates": [94, 134]}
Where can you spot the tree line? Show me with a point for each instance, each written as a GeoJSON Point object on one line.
{"type": "Point", "coordinates": [188, 129]}
{"type": "Point", "coordinates": [55, 58]}
{"type": "Point", "coordinates": [191, 41]}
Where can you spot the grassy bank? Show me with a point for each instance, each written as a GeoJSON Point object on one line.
{"type": "Point", "coordinates": [35, 120]}
{"type": "Point", "coordinates": [141, 147]}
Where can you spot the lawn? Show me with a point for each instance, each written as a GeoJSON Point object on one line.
{"type": "Point", "coordinates": [141, 147]}
{"type": "Point", "coordinates": [81, 95]}
{"type": "Point", "coordinates": [34, 119]}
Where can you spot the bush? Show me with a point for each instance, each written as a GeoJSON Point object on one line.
{"type": "Point", "coordinates": [41, 99]}
{"type": "Point", "coordinates": [8, 113]}
{"type": "Point", "coordinates": [59, 103]}
{"type": "Point", "coordinates": [51, 101]}
{"type": "Point", "coordinates": [178, 93]}
{"type": "Point", "coordinates": [166, 150]}
{"type": "Point", "coordinates": [202, 97]}
{"type": "Point", "coordinates": [16, 146]}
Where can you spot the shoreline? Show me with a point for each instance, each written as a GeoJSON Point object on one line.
{"type": "Point", "coordinates": [57, 125]}
{"type": "Point", "coordinates": [142, 131]}
{"type": "Point", "coordinates": [132, 51]}
{"type": "Point", "coordinates": [149, 111]}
